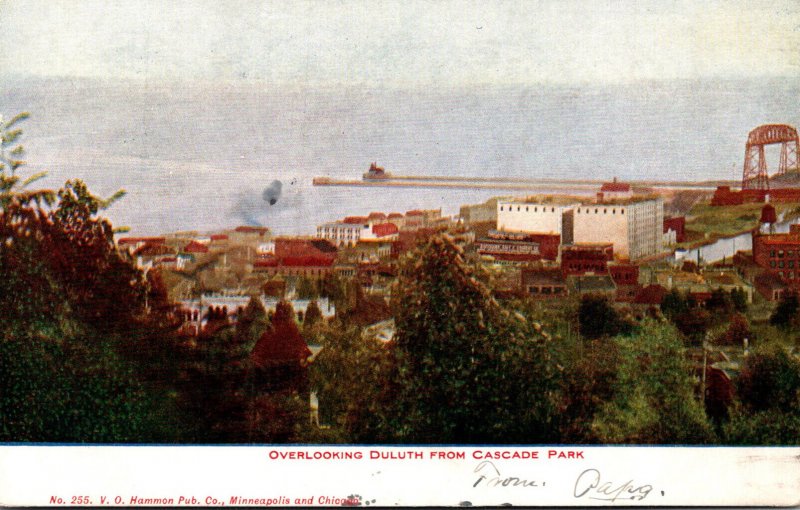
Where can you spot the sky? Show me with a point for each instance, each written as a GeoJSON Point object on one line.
{"type": "Point", "coordinates": [400, 44]}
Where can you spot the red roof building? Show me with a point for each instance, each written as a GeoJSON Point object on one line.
{"type": "Point", "coordinates": [385, 229]}
{"type": "Point", "coordinates": [624, 274]}
{"type": "Point", "coordinates": [309, 257]}
{"type": "Point", "coordinates": [615, 187]}
{"type": "Point", "coordinates": [195, 247]}
{"type": "Point", "coordinates": [299, 246]}
{"type": "Point", "coordinates": [518, 246]}
{"type": "Point", "coordinates": [354, 220]}
{"type": "Point", "coordinates": [779, 254]}
{"type": "Point", "coordinates": [578, 259]}
{"type": "Point", "coordinates": [376, 216]}
{"type": "Point", "coordinates": [247, 229]}
{"type": "Point", "coordinates": [151, 249]}
{"type": "Point", "coordinates": [138, 242]}
{"type": "Point", "coordinates": [677, 224]}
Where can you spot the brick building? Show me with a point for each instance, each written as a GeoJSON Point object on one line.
{"type": "Point", "coordinates": [779, 254]}
{"type": "Point", "coordinates": [518, 246]}
{"type": "Point", "coordinates": [577, 259]}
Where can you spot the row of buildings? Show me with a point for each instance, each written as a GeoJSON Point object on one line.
{"type": "Point", "coordinates": [634, 226]}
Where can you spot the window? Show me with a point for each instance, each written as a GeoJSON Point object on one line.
{"type": "Point", "coordinates": [780, 264]}
{"type": "Point", "coordinates": [780, 273]}
{"type": "Point", "coordinates": [613, 211]}
{"type": "Point", "coordinates": [552, 209]}
{"type": "Point", "coordinates": [526, 208]}
{"type": "Point", "coordinates": [772, 253]}
{"type": "Point", "coordinates": [535, 209]}
{"type": "Point", "coordinates": [780, 254]}
{"type": "Point", "coordinates": [605, 211]}
{"type": "Point", "coordinates": [595, 211]}
{"type": "Point", "coordinates": [622, 211]}
{"type": "Point", "coordinates": [791, 263]}
{"type": "Point", "coordinates": [790, 253]}
{"type": "Point", "coordinates": [501, 207]}
{"type": "Point", "coordinates": [771, 263]}
{"type": "Point", "coordinates": [517, 208]}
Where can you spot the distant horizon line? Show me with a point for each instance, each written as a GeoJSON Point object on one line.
{"type": "Point", "coordinates": [166, 82]}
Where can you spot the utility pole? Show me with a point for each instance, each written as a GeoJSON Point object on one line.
{"type": "Point", "coordinates": [706, 346]}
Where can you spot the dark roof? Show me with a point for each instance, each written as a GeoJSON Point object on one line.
{"type": "Point", "coordinates": [542, 277]}
{"type": "Point", "coordinates": [195, 247]}
{"type": "Point", "coordinates": [307, 261]}
{"type": "Point", "coordinates": [650, 295]}
{"type": "Point", "coordinates": [251, 230]}
{"type": "Point", "coordinates": [591, 283]}
{"type": "Point", "coordinates": [151, 249]}
{"type": "Point", "coordinates": [615, 187]}
{"type": "Point", "coordinates": [135, 240]}
{"type": "Point", "coordinates": [769, 281]}
{"type": "Point", "coordinates": [323, 245]}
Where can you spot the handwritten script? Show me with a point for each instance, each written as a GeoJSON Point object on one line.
{"type": "Point", "coordinates": [591, 485]}
{"type": "Point", "coordinates": [490, 477]}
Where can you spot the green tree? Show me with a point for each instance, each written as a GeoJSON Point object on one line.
{"type": "Point", "coordinates": [351, 379]}
{"type": "Point", "coordinates": [785, 314]}
{"type": "Point", "coordinates": [72, 309]}
{"type": "Point", "coordinates": [769, 394]}
{"type": "Point", "coordinates": [674, 304]}
{"type": "Point", "coordinates": [739, 300]}
{"type": "Point", "coordinates": [307, 288]}
{"type": "Point", "coordinates": [252, 323]}
{"type": "Point", "coordinates": [693, 323]}
{"type": "Point", "coordinates": [720, 304]}
{"type": "Point", "coordinates": [737, 331]}
{"type": "Point", "coordinates": [653, 400]}
{"type": "Point", "coordinates": [466, 370]}
{"type": "Point", "coordinates": [598, 318]}
{"type": "Point", "coordinates": [770, 379]}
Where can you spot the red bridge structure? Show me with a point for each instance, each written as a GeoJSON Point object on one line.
{"type": "Point", "coordinates": [755, 174]}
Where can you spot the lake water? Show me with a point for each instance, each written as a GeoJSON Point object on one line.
{"type": "Point", "coordinates": [726, 248]}
{"type": "Point", "coordinates": [198, 156]}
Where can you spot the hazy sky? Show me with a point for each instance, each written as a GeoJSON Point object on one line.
{"type": "Point", "coordinates": [400, 43]}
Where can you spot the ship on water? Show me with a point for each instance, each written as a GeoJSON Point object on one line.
{"type": "Point", "coordinates": [376, 172]}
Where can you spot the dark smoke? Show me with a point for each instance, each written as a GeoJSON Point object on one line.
{"type": "Point", "coordinates": [246, 208]}
{"type": "Point", "coordinates": [272, 192]}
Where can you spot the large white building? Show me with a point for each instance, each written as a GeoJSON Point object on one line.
{"type": "Point", "coordinates": [357, 228]}
{"type": "Point", "coordinates": [633, 225]}
{"type": "Point", "coordinates": [540, 215]}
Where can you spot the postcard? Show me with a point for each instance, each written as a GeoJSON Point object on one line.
{"type": "Point", "coordinates": [399, 253]}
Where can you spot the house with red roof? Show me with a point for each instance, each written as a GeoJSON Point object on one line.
{"type": "Point", "coordinates": [134, 243]}
{"type": "Point", "coordinates": [295, 256]}
{"type": "Point", "coordinates": [615, 190]}
{"type": "Point", "coordinates": [154, 254]}
{"type": "Point", "coordinates": [195, 247]}
{"type": "Point", "coordinates": [281, 356]}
